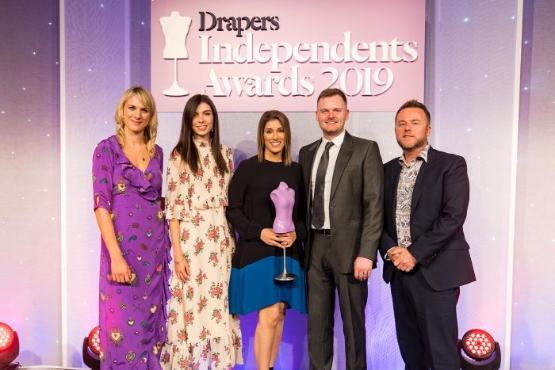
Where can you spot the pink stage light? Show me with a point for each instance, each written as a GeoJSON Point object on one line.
{"type": "Point", "coordinates": [94, 340]}
{"type": "Point", "coordinates": [9, 345]}
{"type": "Point", "coordinates": [478, 344]}
{"type": "Point", "coordinates": [479, 351]}
{"type": "Point", "coordinates": [91, 349]}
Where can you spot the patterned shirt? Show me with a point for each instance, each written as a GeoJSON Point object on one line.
{"type": "Point", "coordinates": [407, 179]}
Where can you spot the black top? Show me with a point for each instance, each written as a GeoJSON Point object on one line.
{"type": "Point", "coordinates": [250, 208]}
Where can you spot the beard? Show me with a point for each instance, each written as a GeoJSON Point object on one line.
{"type": "Point", "coordinates": [421, 143]}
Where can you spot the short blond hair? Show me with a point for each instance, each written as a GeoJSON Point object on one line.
{"type": "Point", "coordinates": [151, 131]}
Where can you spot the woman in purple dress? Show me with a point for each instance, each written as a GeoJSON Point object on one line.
{"type": "Point", "coordinates": [127, 180]}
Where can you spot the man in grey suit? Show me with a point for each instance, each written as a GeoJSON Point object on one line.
{"type": "Point", "coordinates": [343, 177]}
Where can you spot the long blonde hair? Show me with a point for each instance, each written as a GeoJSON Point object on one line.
{"type": "Point", "coordinates": [151, 131]}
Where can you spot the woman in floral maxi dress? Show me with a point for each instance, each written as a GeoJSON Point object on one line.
{"type": "Point", "coordinates": [201, 332]}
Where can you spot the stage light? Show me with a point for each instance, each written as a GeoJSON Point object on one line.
{"type": "Point", "coordinates": [479, 351]}
{"type": "Point", "coordinates": [478, 344]}
{"type": "Point", "coordinates": [93, 341]}
{"type": "Point", "coordinates": [9, 345]}
{"type": "Point", "coordinates": [91, 349]}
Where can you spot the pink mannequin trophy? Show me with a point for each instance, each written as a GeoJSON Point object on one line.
{"type": "Point", "coordinates": [283, 198]}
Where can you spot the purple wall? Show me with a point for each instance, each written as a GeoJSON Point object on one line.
{"type": "Point", "coordinates": [30, 181]}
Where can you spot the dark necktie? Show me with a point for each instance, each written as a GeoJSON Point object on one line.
{"type": "Point", "coordinates": [318, 201]}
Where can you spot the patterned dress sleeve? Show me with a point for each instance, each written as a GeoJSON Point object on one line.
{"type": "Point", "coordinates": [175, 196]}
{"type": "Point", "coordinates": [103, 168]}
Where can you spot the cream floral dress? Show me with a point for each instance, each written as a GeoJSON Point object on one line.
{"type": "Point", "coordinates": [201, 332]}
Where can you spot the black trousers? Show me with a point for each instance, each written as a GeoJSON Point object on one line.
{"type": "Point", "coordinates": [323, 279]}
{"type": "Point", "coordinates": [426, 322]}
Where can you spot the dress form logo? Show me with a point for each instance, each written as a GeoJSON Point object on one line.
{"type": "Point", "coordinates": [175, 28]}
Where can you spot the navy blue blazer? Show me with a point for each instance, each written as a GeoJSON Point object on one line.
{"type": "Point", "coordinates": [438, 211]}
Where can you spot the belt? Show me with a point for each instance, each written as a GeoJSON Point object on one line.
{"type": "Point", "coordinates": [326, 232]}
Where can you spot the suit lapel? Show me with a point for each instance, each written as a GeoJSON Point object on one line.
{"type": "Point", "coordinates": [395, 183]}
{"type": "Point", "coordinates": [343, 157]}
{"type": "Point", "coordinates": [393, 195]}
{"type": "Point", "coordinates": [307, 169]}
{"type": "Point", "coordinates": [420, 179]}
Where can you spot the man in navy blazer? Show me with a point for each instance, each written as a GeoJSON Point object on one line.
{"type": "Point", "coordinates": [426, 257]}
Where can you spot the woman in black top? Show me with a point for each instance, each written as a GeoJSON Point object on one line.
{"type": "Point", "coordinates": [259, 254]}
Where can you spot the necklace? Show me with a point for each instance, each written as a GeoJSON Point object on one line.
{"type": "Point", "coordinates": [140, 154]}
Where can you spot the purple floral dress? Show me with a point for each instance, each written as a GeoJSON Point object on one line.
{"type": "Point", "coordinates": [132, 316]}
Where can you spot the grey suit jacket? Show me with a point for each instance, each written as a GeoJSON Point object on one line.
{"type": "Point", "coordinates": [356, 200]}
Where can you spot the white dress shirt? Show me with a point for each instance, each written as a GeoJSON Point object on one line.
{"type": "Point", "coordinates": [334, 151]}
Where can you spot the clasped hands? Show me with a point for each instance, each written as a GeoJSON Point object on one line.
{"type": "Point", "coordinates": [284, 240]}
{"type": "Point", "coordinates": [401, 258]}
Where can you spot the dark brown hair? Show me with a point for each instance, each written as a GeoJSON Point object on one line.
{"type": "Point", "coordinates": [413, 103]}
{"type": "Point", "coordinates": [187, 148]}
{"type": "Point", "coordinates": [332, 92]}
{"type": "Point", "coordinates": [282, 118]}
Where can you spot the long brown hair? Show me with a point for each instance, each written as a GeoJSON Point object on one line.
{"type": "Point", "coordinates": [282, 118]}
{"type": "Point", "coordinates": [187, 148]}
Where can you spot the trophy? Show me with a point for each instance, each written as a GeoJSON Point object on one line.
{"type": "Point", "coordinates": [175, 28]}
{"type": "Point", "coordinates": [283, 198]}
